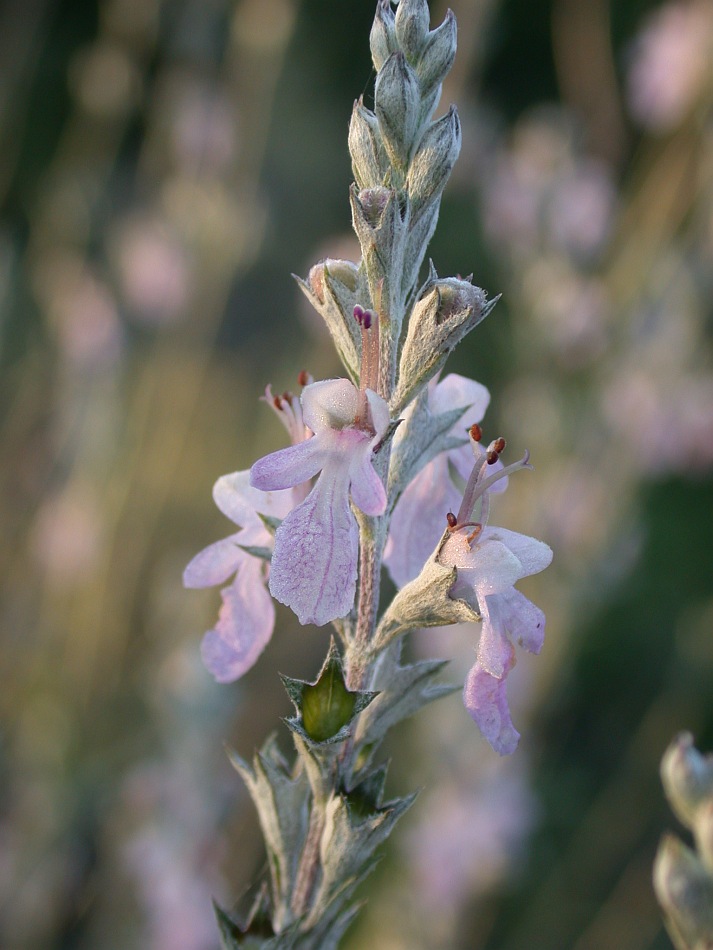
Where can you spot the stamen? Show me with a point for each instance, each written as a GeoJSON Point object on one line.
{"type": "Point", "coordinates": [495, 450]}
{"type": "Point", "coordinates": [304, 378]}
{"type": "Point", "coordinates": [478, 487]}
{"type": "Point", "coordinates": [477, 529]}
{"type": "Point", "coordinates": [452, 520]}
{"type": "Point", "coordinates": [470, 494]}
{"type": "Point", "coordinates": [288, 409]}
{"type": "Point", "coordinates": [475, 432]}
{"type": "Point", "coordinates": [524, 462]}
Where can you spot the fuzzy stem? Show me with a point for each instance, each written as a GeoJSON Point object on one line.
{"type": "Point", "coordinates": [309, 863]}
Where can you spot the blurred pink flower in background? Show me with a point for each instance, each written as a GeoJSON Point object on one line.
{"type": "Point", "coordinates": [175, 899]}
{"type": "Point", "coordinates": [67, 536]}
{"type": "Point", "coordinates": [204, 134]}
{"type": "Point", "coordinates": [581, 208]}
{"type": "Point", "coordinates": [570, 308]}
{"type": "Point", "coordinates": [81, 309]}
{"type": "Point", "coordinates": [155, 273]}
{"type": "Point", "coordinates": [670, 62]}
{"type": "Point", "coordinates": [470, 833]}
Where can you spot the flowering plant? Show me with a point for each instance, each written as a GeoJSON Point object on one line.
{"type": "Point", "coordinates": [379, 462]}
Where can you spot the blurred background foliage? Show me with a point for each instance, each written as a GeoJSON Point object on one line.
{"type": "Point", "coordinates": [164, 167]}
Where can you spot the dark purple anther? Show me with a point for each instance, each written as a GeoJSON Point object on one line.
{"type": "Point", "coordinates": [359, 314]}
{"type": "Point", "coordinates": [368, 317]}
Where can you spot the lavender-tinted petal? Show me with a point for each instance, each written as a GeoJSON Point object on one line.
{"type": "Point", "coordinates": [523, 620]}
{"type": "Point", "coordinates": [330, 404]}
{"type": "Point", "coordinates": [245, 625]}
{"type": "Point", "coordinates": [495, 652]}
{"type": "Point", "coordinates": [314, 565]}
{"type": "Point", "coordinates": [288, 467]}
{"type": "Point", "coordinates": [485, 699]}
{"type": "Point", "coordinates": [368, 492]}
{"type": "Point", "coordinates": [214, 564]}
{"type": "Point", "coordinates": [239, 501]}
{"type": "Point", "coordinates": [488, 566]}
{"type": "Point", "coordinates": [456, 390]}
{"type": "Point", "coordinates": [231, 493]}
{"type": "Point", "coordinates": [533, 555]}
{"type": "Point", "coordinates": [419, 520]}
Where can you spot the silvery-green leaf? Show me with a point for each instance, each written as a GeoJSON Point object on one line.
{"type": "Point", "coordinates": [423, 436]}
{"type": "Point", "coordinates": [404, 690]}
{"type": "Point", "coordinates": [416, 244]}
{"type": "Point", "coordinates": [348, 843]}
{"type": "Point", "coordinates": [281, 801]}
{"type": "Point", "coordinates": [270, 522]}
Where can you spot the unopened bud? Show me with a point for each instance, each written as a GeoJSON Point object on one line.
{"type": "Point", "coordinates": [446, 311]}
{"type": "Point", "coordinates": [437, 55]}
{"type": "Point", "coordinates": [703, 833]}
{"type": "Point", "coordinates": [330, 288]}
{"type": "Point", "coordinates": [397, 103]}
{"type": "Point", "coordinates": [315, 279]}
{"type": "Point", "coordinates": [382, 39]}
{"type": "Point", "coordinates": [369, 161]}
{"type": "Point", "coordinates": [684, 889]}
{"type": "Point", "coordinates": [373, 202]}
{"type": "Point", "coordinates": [341, 272]}
{"type": "Point", "coordinates": [412, 20]}
{"type": "Point", "coordinates": [433, 162]}
{"type": "Point", "coordinates": [687, 777]}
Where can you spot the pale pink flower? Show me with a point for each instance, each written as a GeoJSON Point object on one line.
{"type": "Point", "coordinates": [671, 62]}
{"type": "Point", "coordinates": [247, 617]}
{"type": "Point", "coordinates": [489, 561]}
{"type": "Point", "coordinates": [419, 515]}
{"type": "Point", "coordinates": [314, 564]}
{"type": "Point", "coordinates": [488, 567]}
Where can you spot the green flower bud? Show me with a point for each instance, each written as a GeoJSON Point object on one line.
{"type": "Point", "coordinates": [382, 38]}
{"type": "Point", "coordinates": [433, 162]}
{"type": "Point", "coordinates": [687, 777]}
{"type": "Point", "coordinates": [397, 102]}
{"type": "Point", "coordinates": [684, 889]}
{"type": "Point", "coordinates": [369, 161]}
{"type": "Point", "coordinates": [412, 20]}
{"type": "Point", "coordinates": [438, 55]}
{"type": "Point", "coordinates": [447, 309]}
